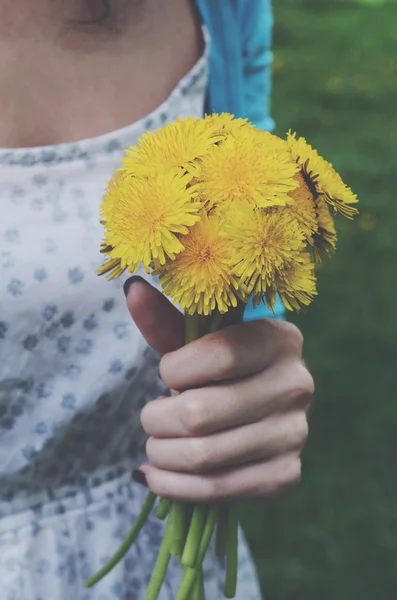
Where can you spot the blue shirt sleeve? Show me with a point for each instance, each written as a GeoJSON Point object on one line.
{"type": "Point", "coordinates": [256, 20]}
{"type": "Point", "coordinates": [262, 311]}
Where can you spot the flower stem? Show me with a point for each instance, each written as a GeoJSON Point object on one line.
{"type": "Point", "coordinates": [190, 573]}
{"type": "Point", "coordinates": [127, 543]}
{"type": "Point", "coordinates": [177, 518]}
{"type": "Point", "coordinates": [163, 509]}
{"type": "Point", "coordinates": [202, 588]}
{"type": "Point", "coordinates": [194, 535]}
{"type": "Point", "coordinates": [161, 566]}
{"type": "Point", "coordinates": [221, 530]}
{"type": "Point", "coordinates": [198, 587]}
{"type": "Point", "coordinates": [216, 319]}
{"type": "Point", "coordinates": [232, 553]}
{"type": "Point", "coordinates": [191, 327]}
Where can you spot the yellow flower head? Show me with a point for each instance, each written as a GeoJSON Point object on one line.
{"type": "Point", "coordinates": [142, 218]}
{"type": "Point", "coordinates": [249, 168]}
{"type": "Point", "coordinates": [200, 277]}
{"type": "Point", "coordinates": [114, 188]}
{"type": "Point", "coordinates": [303, 208]}
{"type": "Point", "coordinates": [324, 240]}
{"type": "Point", "coordinates": [226, 124]}
{"type": "Point", "coordinates": [177, 145]}
{"type": "Point", "coordinates": [222, 212]}
{"type": "Point", "coordinates": [321, 178]}
{"type": "Point", "coordinates": [261, 242]}
{"type": "Point", "coordinates": [295, 284]}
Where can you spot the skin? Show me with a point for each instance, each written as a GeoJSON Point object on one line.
{"type": "Point", "coordinates": [61, 82]}
{"type": "Point", "coordinates": [239, 428]}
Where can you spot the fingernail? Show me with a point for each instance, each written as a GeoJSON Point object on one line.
{"type": "Point", "coordinates": [131, 280]}
{"type": "Point", "coordinates": [140, 477]}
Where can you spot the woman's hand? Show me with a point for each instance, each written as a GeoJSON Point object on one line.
{"type": "Point", "coordinates": [239, 428]}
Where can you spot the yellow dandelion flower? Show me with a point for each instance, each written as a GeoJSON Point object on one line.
{"type": "Point", "coordinates": [200, 277]}
{"type": "Point", "coordinates": [226, 124]}
{"type": "Point", "coordinates": [274, 140]}
{"type": "Point", "coordinates": [261, 242]}
{"type": "Point", "coordinates": [321, 177]}
{"type": "Point", "coordinates": [249, 168]}
{"type": "Point", "coordinates": [324, 240]}
{"type": "Point", "coordinates": [177, 145]}
{"type": "Point", "coordinates": [112, 268]}
{"type": "Point", "coordinates": [295, 284]}
{"type": "Point", "coordinates": [113, 190]}
{"type": "Point", "coordinates": [303, 208]}
{"type": "Point", "coordinates": [145, 220]}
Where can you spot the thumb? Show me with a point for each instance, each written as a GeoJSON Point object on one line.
{"type": "Point", "coordinates": [161, 324]}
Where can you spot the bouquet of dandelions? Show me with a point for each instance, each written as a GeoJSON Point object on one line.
{"type": "Point", "coordinates": [221, 212]}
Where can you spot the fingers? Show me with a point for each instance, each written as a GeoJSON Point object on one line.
{"type": "Point", "coordinates": [258, 480]}
{"type": "Point", "coordinates": [159, 321]}
{"type": "Point", "coordinates": [234, 352]}
{"type": "Point", "coordinates": [203, 411]}
{"type": "Point", "coordinates": [279, 435]}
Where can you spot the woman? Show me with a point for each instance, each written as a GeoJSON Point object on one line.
{"type": "Point", "coordinates": [75, 368]}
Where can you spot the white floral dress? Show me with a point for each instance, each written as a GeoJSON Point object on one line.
{"type": "Point", "coordinates": [74, 374]}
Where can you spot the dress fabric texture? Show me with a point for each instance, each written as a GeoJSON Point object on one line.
{"type": "Point", "coordinates": [74, 375]}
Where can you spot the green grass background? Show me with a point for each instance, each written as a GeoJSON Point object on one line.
{"type": "Point", "coordinates": [335, 82]}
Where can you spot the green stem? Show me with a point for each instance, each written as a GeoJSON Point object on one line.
{"type": "Point", "coordinates": [163, 509]}
{"type": "Point", "coordinates": [177, 517]}
{"type": "Point", "coordinates": [215, 323]}
{"type": "Point", "coordinates": [194, 535]}
{"type": "Point", "coordinates": [127, 543]}
{"type": "Point", "coordinates": [221, 530]}
{"type": "Point", "coordinates": [190, 573]}
{"type": "Point", "coordinates": [198, 587]}
{"type": "Point", "coordinates": [161, 566]}
{"type": "Point", "coordinates": [207, 533]}
{"type": "Point", "coordinates": [232, 553]}
{"type": "Point", "coordinates": [191, 327]}
{"type": "Point", "coordinates": [202, 588]}
{"type": "Point", "coordinates": [200, 532]}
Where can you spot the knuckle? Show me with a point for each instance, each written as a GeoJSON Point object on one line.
{"type": "Point", "coordinates": [200, 455]}
{"type": "Point", "coordinates": [291, 475]}
{"type": "Point", "coordinates": [301, 429]}
{"type": "Point", "coordinates": [194, 415]}
{"type": "Point", "coordinates": [302, 382]}
{"type": "Point", "coordinates": [293, 338]}
{"type": "Point", "coordinates": [222, 353]}
{"type": "Point", "coordinates": [149, 449]}
{"type": "Point", "coordinates": [145, 418]}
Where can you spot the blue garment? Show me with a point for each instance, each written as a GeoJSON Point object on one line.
{"type": "Point", "coordinates": [240, 73]}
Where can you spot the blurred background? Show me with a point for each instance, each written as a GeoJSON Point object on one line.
{"type": "Point", "coordinates": [335, 82]}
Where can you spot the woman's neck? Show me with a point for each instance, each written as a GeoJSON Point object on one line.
{"type": "Point", "coordinates": [64, 77]}
{"type": "Point", "coordinates": [60, 21]}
